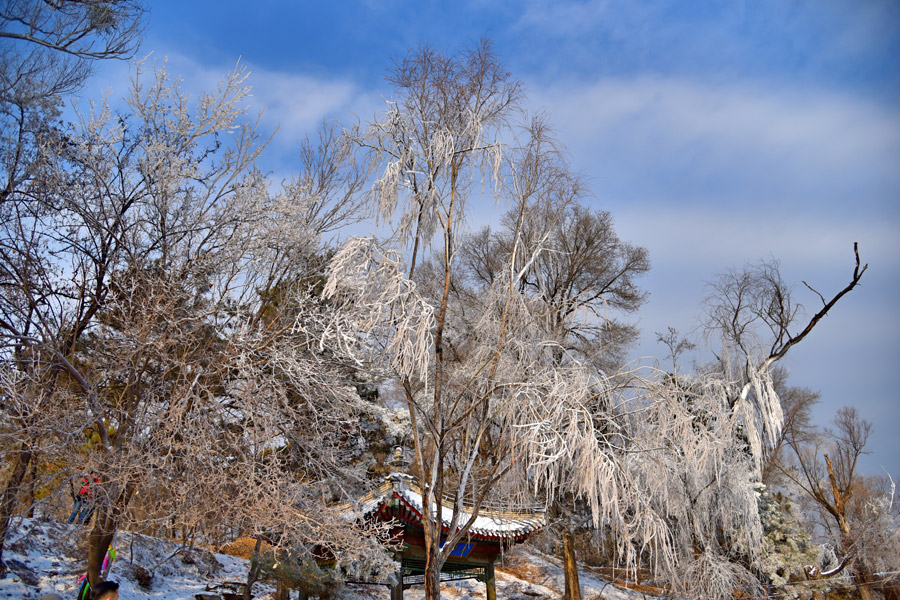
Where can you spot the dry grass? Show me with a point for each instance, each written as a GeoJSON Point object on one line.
{"type": "Point", "coordinates": [243, 547]}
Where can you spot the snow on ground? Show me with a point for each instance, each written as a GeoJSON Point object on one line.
{"type": "Point", "coordinates": [547, 573]}
{"type": "Point", "coordinates": [47, 556]}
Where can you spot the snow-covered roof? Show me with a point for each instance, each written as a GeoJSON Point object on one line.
{"type": "Point", "coordinates": [489, 524]}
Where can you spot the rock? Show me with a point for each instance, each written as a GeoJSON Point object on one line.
{"type": "Point", "coordinates": [25, 574]}
{"type": "Point", "coordinates": [202, 559]}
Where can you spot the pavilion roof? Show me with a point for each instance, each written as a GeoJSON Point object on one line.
{"type": "Point", "coordinates": [489, 524]}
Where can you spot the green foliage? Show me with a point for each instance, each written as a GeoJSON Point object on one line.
{"type": "Point", "coordinates": [788, 546]}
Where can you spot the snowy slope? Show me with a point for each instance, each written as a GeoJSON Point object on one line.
{"type": "Point", "coordinates": [48, 556]}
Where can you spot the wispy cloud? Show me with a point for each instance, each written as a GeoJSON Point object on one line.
{"type": "Point", "coordinates": [564, 18]}
{"type": "Point", "coordinates": [293, 103]}
{"type": "Point", "coordinates": [761, 140]}
{"type": "Point", "coordinates": [704, 239]}
{"type": "Point", "coordinates": [296, 103]}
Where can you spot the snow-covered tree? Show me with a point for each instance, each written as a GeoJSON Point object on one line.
{"type": "Point", "coordinates": [174, 300]}
{"type": "Point", "coordinates": [579, 279]}
{"type": "Point", "coordinates": [713, 427]}
{"type": "Point", "coordinates": [788, 545]}
{"type": "Point", "coordinates": [47, 50]}
{"type": "Point", "coordinates": [501, 399]}
{"type": "Point", "coordinates": [496, 409]}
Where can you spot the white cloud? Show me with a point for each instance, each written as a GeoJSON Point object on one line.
{"type": "Point", "coordinates": [711, 177]}
{"type": "Point", "coordinates": [664, 120]}
{"type": "Point", "coordinates": [294, 103]}
{"type": "Point", "coordinates": [688, 237]}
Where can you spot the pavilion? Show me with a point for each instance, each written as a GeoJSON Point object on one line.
{"type": "Point", "coordinates": [399, 501]}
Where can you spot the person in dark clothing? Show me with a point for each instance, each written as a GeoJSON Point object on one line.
{"type": "Point", "coordinates": [84, 502]}
{"type": "Point", "coordinates": [106, 590]}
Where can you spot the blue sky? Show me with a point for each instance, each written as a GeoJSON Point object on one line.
{"type": "Point", "coordinates": [717, 133]}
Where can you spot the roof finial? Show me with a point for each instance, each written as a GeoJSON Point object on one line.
{"type": "Point", "coordinates": [398, 465]}
{"type": "Point", "coordinates": [399, 462]}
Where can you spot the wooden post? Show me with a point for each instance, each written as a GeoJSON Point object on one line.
{"type": "Point", "coordinates": [489, 582]}
{"type": "Point", "coordinates": [397, 588]}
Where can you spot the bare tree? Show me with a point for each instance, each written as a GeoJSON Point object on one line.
{"type": "Point", "coordinates": [582, 273]}
{"type": "Point", "coordinates": [431, 140]}
{"type": "Point", "coordinates": [753, 312]}
{"type": "Point", "coordinates": [175, 300]}
{"type": "Point", "coordinates": [797, 405]}
{"type": "Point", "coordinates": [91, 29]}
{"type": "Point", "coordinates": [577, 275]}
{"type": "Point", "coordinates": [826, 470]}
{"type": "Point", "coordinates": [34, 430]}
{"type": "Point", "coordinates": [676, 344]}
{"type": "Point", "coordinates": [47, 51]}
{"type": "Point", "coordinates": [495, 408]}
{"type": "Point", "coordinates": [710, 429]}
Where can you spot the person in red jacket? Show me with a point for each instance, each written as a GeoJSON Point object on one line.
{"type": "Point", "coordinates": [84, 501]}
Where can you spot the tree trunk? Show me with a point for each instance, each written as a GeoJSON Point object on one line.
{"type": "Point", "coordinates": [33, 474]}
{"type": "Point", "coordinates": [101, 536]}
{"type": "Point", "coordinates": [253, 573]}
{"type": "Point", "coordinates": [8, 500]}
{"type": "Point", "coordinates": [891, 591]}
{"type": "Point", "coordinates": [570, 563]}
{"type": "Point", "coordinates": [432, 578]}
{"type": "Point", "coordinates": [862, 577]}
{"type": "Point", "coordinates": [109, 506]}
{"type": "Point", "coordinates": [570, 566]}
